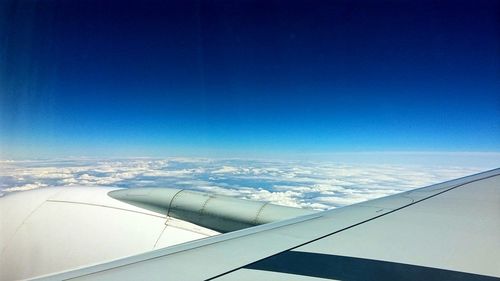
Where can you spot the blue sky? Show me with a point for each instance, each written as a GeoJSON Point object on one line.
{"type": "Point", "coordinates": [210, 78]}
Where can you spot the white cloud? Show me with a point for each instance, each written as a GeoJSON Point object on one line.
{"type": "Point", "coordinates": [318, 185]}
{"type": "Point", "coordinates": [25, 187]}
{"type": "Point", "coordinates": [225, 170]}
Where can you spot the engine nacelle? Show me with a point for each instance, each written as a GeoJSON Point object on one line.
{"type": "Point", "coordinates": [216, 212]}
{"type": "Point", "coordinates": [49, 230]}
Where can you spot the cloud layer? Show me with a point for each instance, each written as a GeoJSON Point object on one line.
{"type": "Point", "coordinates": [318, 185]}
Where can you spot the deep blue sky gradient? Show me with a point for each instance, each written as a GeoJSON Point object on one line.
{"type": "Point", "coordinates": [157, 78]}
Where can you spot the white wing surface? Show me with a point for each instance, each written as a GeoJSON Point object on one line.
{"type": "Point", "coordinates": [447, 231]}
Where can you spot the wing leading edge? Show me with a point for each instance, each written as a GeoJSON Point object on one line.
{"type": "Point", "coordinates": [444, 231]}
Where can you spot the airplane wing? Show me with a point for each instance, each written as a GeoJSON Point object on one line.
{"type": "Point", "coordinates": [447, 231]}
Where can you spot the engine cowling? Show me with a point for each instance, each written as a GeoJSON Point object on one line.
{"type": "Point", "coordinates": [55, 229]}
